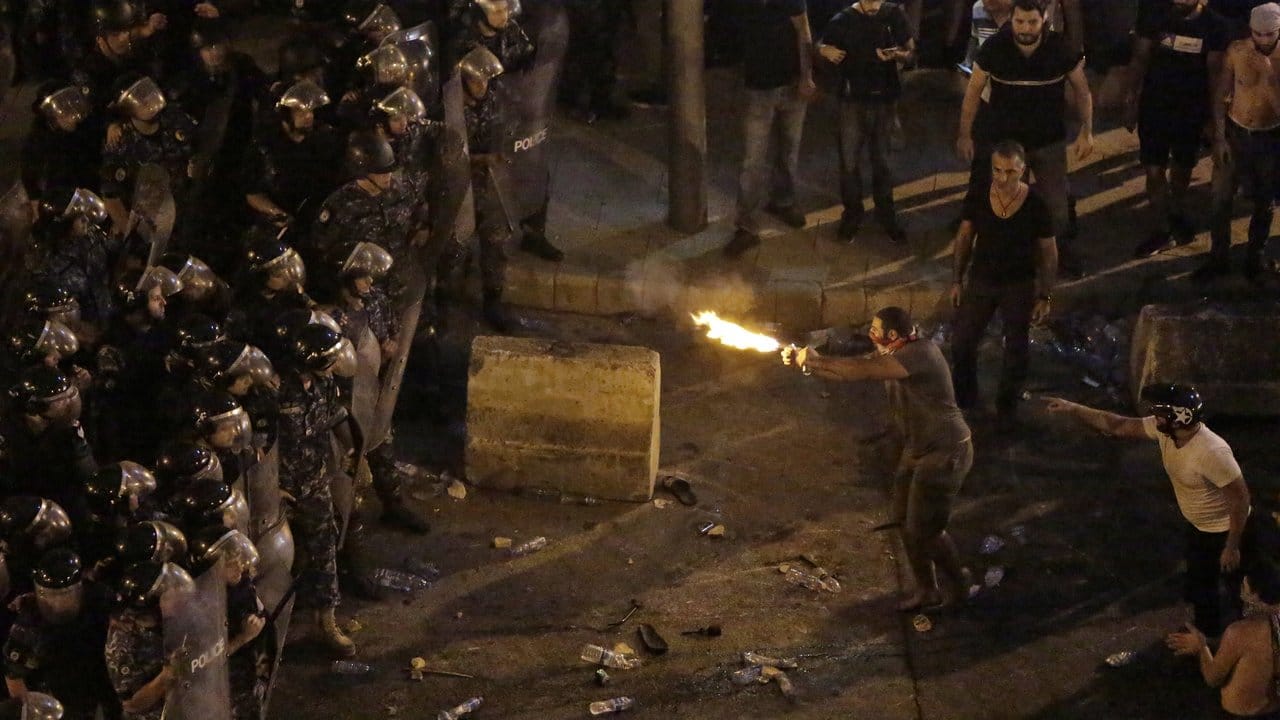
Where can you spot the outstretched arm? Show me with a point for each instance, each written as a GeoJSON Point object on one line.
{"type": "Point", "coordinates": [1104, 422]}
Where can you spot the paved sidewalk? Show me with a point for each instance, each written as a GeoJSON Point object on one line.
{"type": "Point", "coordinates": [608, 210]}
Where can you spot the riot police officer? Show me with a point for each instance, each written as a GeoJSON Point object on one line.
{"type": "Point", "coordinates": [136, 660]}
{"type": "Point", "coordinates": [492, 24]}
{"type": "Point", "coordinates": [46, 452]}
{"type": "Point", "coordinates": [493, 225]}
{"type": "Point", "coordinates": [400, 117]}
{"type": "Point", "coordinates": [367, 23]}
{"type": "Point", "coordinates": [271, 283]}
{"type": "Point", "coordinates": [245, 372]}
{"type": "Point", "coordinates": [376, 205]}
{"type": "Point", "coordinates": [291, 166]}
{"type": "Point", "coordinates": [148, 130]}
{"type": "Point", "coordinates": [310, 408]}
{"type": "Point", "coordinates": [55, 644]}
{"type": "Point", "coordinates": [75, 252]}
{"type": "Point", "coordinates": [60, 149]}
{"type": "Point", "coordinates": [117, 495]}
{"type": "Point", "coordinates": [217, 420]}
{"type": "Point", "coordinates": [117, 26]}
{"type": "Point", "coordinates": [202, 291]}
{"type": "Point", "coordinates": [246, 616]}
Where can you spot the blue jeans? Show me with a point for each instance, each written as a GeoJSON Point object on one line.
{"type": "Point", "coordinates": [1255, 159]}
{"type": "Point", "coordinates": [866, 125]}
{"type": "Point", "coordinates": [766, 178]}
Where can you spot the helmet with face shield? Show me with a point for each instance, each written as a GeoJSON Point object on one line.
{"type": "Point", "coordinates": [37, 521]}
{"type": "Point", "coordinates": [273, 260]}
{"type": "Point", "coordinates": [145, 584]}
{"type": "Point", "coordinates": [478, 68]}
{"type": "Point", "coordinates": [43, 391]}
{"type": "Point", "coordinates": [119, 488]}
{"type": "Point", "coordinates": [59, 590]}
{"type": "Point", "coordinates": [384, 65]}
{"type": "Point", "coordinates": [35, 339]}
{"type": "Point", "coordinates": [317, 348]}
{"type": "Point", "coordinates": [153, 540]}
{"type": "Point", "coordinates": [182, 463]}
{"type": "Point", "coordinates": [219, 419]}
{"type": "Point", "coordinates": [210, 502]}
{"type": "Point", "coordinates": [50, 299]}
{"type": "Point", "coordinates": [199, 280]}
{"type": "Point", "coordinates": [236, 367]}
{"type": "Point", "coordinates": [138, 97]}
{"type": "Point", "coordinates": [40, 706]}
{"type": "Point", "coordinates": [212, 543]}
{"type": "Point", "coordinates": [64, 105]}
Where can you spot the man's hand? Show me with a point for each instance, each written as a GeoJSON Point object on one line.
{"type": "Point", "coordinates": [892, 54]}
{"type": "Point", "coordinates": [151, 694]}
{"type": "Point", "coordinates": [833, 55]}
{"type": "Point", "coordinates": [1040, 312]}
{"type": "Point", "coordinates": [1221, 152]}
{"type": "Point", "coordinates": [789, 354]}
{"type": "Point", "coordinates": [964, 148]}
{"type": "Point", "coordinates": [1190, 642]}
{"type": "Point", "coordinates": [957, 290]}
{"type": "Point", "coordinates": [807, 89]}
{"type": "Point", "coordinates": [1084, 145]}
{"type": "Point", "coordinates": [1229, 561]}
{"type": "Point", "coordinates": [81, 378]}
{"type": "Point", "coordinates": [206, 10]}
{"type": "Point", "coordinates": [115, 133]}
{"type": "Point", "coordinates": [1059, 406]}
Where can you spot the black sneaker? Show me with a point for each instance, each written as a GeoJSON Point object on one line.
{"type": "Point", "coordinates": [848, 229]}
{"type": "Point", "coordinates": [1211, 270]}
{"type": "Point", "coordinates": [1156, 243]}
{"type": "Point", "coordinates": [788, 215]}
{"type": "Point", "coordinates": [1184, 233]}
{"type": "Point", "coordinates": [741, 242]}
{"type": "Point", "coordinates": [538, 245]}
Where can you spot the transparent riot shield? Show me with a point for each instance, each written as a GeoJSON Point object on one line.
{"type": "Point", "coordinates": [195, 640]}
{"type": "Point", "coordinates": [410, 310]}
{"type": "Point", "coordinates": [269, 530]}
{"type": "Point", "coordinates": [529, 98]}
{"type": "Point", "coordinates": [343, 487]}
{"type": "Point", "coordinates": [367, 384]}
{"type": "Point", "coordinates": [418, 44]}
{"type": "Point", "coordinates": [153, 213]}
{"type": "Point", "coordinates": [452, 212]}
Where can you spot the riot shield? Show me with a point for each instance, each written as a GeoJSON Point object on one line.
{"type": "Point", "coordinates": [343, 487]}
{"type": "Point", "coordinates": [452, 212]}
{"type": "Point", "coordinates": [153, 213]}
{"type": "Point", "coordinates": [15, 242]}
{"type": "Point", "coordinates": [366, 386]}
{"type": "Point", "coordinates": [530, 98]}
{"type": "Point", "coordinates": [269, 530]}
{"type": "Point", "coordinates": [209, 138]}
{"type": "Point", "coordinates": [410, 310]}
{"type": "Point", "coordinates": [195, 639]}
{"type": "Point", "coordinates": [418, 44]}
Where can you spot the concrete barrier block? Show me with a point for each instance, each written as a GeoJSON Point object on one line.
{"type": "Point", "coordinates": [530, 286]}
{"type": "Point", "coordinates": [579, 418]}
{"type": "Point", "coordinates": [1227, 351]}
{"type": "Point", "coordinates": [615, 294]}
{"type": "Point", "coordinates": [576, 289]}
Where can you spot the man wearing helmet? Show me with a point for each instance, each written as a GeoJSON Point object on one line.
{"type": "Point", "coordinates": [291, 166]}
{"type": "Point", "coordinates": [1208, 485]}
{"type": "Point", "coordinates": [60, 149]}
{"type": "Point", "coordinates": [46, 452]}
{"type": "Point", "coordinates": [135, 651]}
{"type": "Point", "coordinates": [55, 645]}
{"type": "Point", "coordinates": [75, 252]}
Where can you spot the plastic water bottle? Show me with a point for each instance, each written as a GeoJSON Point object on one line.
{"type": "Point", "coordinates": [465, 708]}
{"type": "Point", "coordinates": [754, 658]}
{"type": "Point", "coordinates": [399, 580]}
{"type": "Point", "coordinates": [603, 656]}
{"type": "Point", "coordinates": [530, 547]}
{"type": "Point", "coordinates": [579, 500]}
{"type": "Point", "coordinates": [796, 576]}
{"type": "Point", "coordinates": [606, 707]}
{"type": "Point", "coordinates": [350, 667]}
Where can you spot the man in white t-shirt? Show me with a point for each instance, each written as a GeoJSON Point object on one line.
{"type": "Point", "coordinates": [1209, 488]}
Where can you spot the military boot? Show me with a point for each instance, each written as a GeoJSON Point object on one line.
{"type": "Point", "coordinates": [495, 312]}
{"type": "Point", "coordinates": [332, 635]}
{"type": "Point", "coordinates": [397, 513]}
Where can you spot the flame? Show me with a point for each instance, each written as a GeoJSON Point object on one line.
{"type": "Point", "coordinates": [735, 336]}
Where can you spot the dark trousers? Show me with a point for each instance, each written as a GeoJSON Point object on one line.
{"type": "Point", "coordinates": [1255, 158]}
{"type": "Point", "coordinates": [1213, 595]}
{"type": "Point", "coordinates": [977, 306]}
{"type": "Point", "coordinates": [866, 125]}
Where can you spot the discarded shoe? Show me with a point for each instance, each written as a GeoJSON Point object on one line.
{"type": "Point", "coordinates": [652, 641]}
{"type": "Point", "coordinates": [681, 488]}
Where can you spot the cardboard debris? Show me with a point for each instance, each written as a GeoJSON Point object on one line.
{"type": "Point", "coordinates": [457, 490]}
{"type": "Point", "coordinates": [502, 543]}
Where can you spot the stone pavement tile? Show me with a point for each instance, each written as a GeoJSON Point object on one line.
{"type": "Point", "coordinates": [575, 289]}
{"type": "Point", "coordinates": [842, 305]}
{"type": "Point", "coordinates": [615, 293]}
{"type": "Point", "coordinates": [531, 285]}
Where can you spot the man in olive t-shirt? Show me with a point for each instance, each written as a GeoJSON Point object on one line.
{"type": "Point", "coordinates": [938, 453]}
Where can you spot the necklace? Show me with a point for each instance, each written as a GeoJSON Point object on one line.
{"type": "Point", "coordinates": [1003, 212]}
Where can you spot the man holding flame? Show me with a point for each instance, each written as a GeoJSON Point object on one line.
{"type": "Point", "coordinates": [938, 452]}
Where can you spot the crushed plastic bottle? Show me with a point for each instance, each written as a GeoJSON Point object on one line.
{"type": "Point", "coordinates": [350, 667]}
{"type": "Point", "coordinates": [747, 675]}
{"type": "Point", "coordinates": [399, 580]}
{"type": "Point", "coordinates": [1019, 533]}
{"type": "Point", "coordinates": [530, 547]}
{"type": "Point", "coordinates": [603, 656]}
{"type": "Point", "coordinates": [465, 708]}
{"type": "Point", "coordinates": [796, 576]}
{"type": "Point", "coordinates": [751, 657]}
{"type": "Point", "coordinates": [991, 545]}
{"type": "Point", "coordinates": [1122, 658]}
{"type": "Point", "coordinates": [993, 577]}
{"type": "Point", "coordinates": [428, 571]}
{"type": "Point", "coordinates": [608, 707]}
{"type": "Point", "coordinates": [542, 493]}
{"type": "Point", "coordinates": [579, 500]}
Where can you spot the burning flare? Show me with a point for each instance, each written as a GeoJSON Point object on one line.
{"type": "Point", "coordinates": [735, 336]}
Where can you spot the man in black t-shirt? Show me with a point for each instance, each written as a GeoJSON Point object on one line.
{"type": "Point", "coordinates": [865, 43]}
{"type": "Point", "coordinates": [1006, 251]}
{"type": "Point", "coordinates": [1022, 73]}
{"type": "Point", "coordinates": [1179, 47]}
{"type": "Point", "coordinates": [778, 74]}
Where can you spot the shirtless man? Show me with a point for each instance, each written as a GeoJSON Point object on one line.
{"type": "Point", "coordinates": [1246, 146]}
{"type": "Point", "coordinates": [1244, 666]}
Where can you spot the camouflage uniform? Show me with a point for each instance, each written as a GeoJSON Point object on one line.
{"type": "Point", "coordinates": [484, 137]}
{"type": "Point", "coordinates": [249, 668]}
{"type": "Point", "coordinates": [386, 218]}
{"type": "Point", "coordinates": [83, 265]}
{"type": "Point", "coordinates": [135, 654]}
{"type": "Point", "coordinates": [58, 659]}
{"type": "Point", "coordinates": [511, 45]}
{"type": "Point", "coordinates": [307, 414]}
{"type": "Point", "coordinates": [170, 147]}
